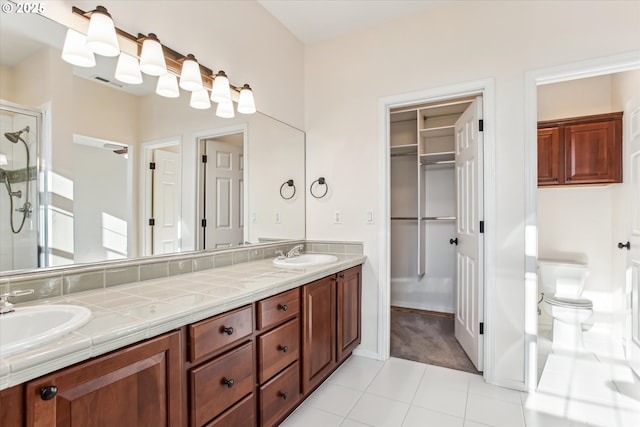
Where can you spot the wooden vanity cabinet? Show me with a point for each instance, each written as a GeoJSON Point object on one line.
{"type": "Point", "coordinates": [331, 322]}
{"type": "Point", "coordinates": [139, 385]}
{"type": "Point", "coordinates": [580, 150]}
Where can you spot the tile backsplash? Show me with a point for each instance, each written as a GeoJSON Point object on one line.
{"type": "Point", "coordinates": [66, 280]}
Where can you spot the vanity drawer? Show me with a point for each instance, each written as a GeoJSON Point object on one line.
{"type": "Point", "coordinates": [242, 414]}
{"type": "Point", "coordinates": [211, 335]}
{"type": "Point", "coordinates": [218, 384]}
{"type": "Point", "coordinates": [279, 395]}
{"type": "Point", "coordinates": [273, 310]}
{"type": "Point", "coordinates": [277, 349]}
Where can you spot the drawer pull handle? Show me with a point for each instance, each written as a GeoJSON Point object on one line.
{"type": "Point", "coordinates": [283, 395]}
{"type": "Point", "coordinates": [48, 392]}
{"type": "Point", "coordinates": [283, 348]}
{"type": "Point", "coordinates": [283, 307]}
{"type": "Point", "coordinates": [229, 383]}
{"type": "Point", "coordinates": [227, 330]}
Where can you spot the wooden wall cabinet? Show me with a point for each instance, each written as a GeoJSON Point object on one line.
{"type": "Point", "coordinates": [140, 385]}
{"type": "Point", "coordinates": [331, 319]}
{"type": "Point", "coordinates": [580, 150]}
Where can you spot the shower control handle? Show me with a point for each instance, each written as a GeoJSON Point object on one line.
{"type": "Point", "coordinates": [624, 245]}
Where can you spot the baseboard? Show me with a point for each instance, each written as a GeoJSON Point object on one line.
{"type": "Point", "coordinates": [367, 353]}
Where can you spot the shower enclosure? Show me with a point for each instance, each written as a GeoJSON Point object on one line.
{"type": "Point", "coordinates": [20, 219]}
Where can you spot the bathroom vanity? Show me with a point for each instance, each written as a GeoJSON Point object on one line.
{"type": "Point", "coordinates": [250, 364]}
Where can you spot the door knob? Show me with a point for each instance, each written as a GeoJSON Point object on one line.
{"type": "Point", "coordinates": [624, 245]}
{"type": "Point", "coordinates": [453, 241]}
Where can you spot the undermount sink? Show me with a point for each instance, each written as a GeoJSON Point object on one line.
{"type": "Point", "coordinates": [29, 327]}
{"type": "Point", "coordinates": [306, 260]}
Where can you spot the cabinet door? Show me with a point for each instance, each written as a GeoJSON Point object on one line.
{"type": "Point", "coordinates": [349, 291]}
{"type": "Point", "coordinates": [593, 153]}
{"type": "Point", "coordinates": [137, 386]}
{"type": "Point", "coordinates": [550, 157]}
{"type": "Point", "coordinates": [318, 331]}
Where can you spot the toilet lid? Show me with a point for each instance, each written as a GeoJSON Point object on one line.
{"type": "Point", "coordinates": [566, 302]}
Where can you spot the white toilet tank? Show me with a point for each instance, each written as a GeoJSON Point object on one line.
{"type": "Point", "coordinates": [563, 279]}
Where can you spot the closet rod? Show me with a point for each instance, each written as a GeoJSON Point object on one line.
{"type": "Point", "coordinates": [404, 154]}
{"type": "Point", "coordinates": [441, 162]}
{"type": "Point", "coordinates": [404, 218]}
{"type": "Point", "coordinates": [438, 218]}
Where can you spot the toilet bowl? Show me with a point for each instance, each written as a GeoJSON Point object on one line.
{"type": "Point", "coordinates": [562, 283]}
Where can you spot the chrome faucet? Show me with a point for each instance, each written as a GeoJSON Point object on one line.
{"type": "Point", "coordinates": [5, 305]}
{"type": "Point", "coordinates": [295, 251]}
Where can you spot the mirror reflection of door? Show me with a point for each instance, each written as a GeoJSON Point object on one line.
{"type": "Point", "coordinates": [163, 204]}
{"type": "Point", "coordinates": [223, 191]}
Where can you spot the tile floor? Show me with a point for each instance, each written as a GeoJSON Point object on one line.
{"type": "Point", "coordinates": [573, 392]}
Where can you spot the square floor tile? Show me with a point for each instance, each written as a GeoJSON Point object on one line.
{"type": "Point", "coordinates": [478, 386]}
{"type": "Point", "coordinates": [334, 398]}
{"type": "Point", "coordinates": [448, 378]}
{"type": "Point", "coordinates": [432, 396]}
{"type": "Point", "coordinates": [495, 412]}
{"type": "Point", "coordinates": [421, 417]}
{"type": "Point", "coordinates": [379, 411]}
{"type": "Point", "coordinates": [398, 379]}
{"type": "Point", "coordinates": [351, 423]}
{"type": "Point", "coordinates": [308, 416]}
{"type": "Point", "coordinates": [357, 373]}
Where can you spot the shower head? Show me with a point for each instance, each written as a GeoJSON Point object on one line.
{"type": "Point", "coordinates": [15, 136]}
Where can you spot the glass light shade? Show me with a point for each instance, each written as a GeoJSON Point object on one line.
{"type": "Point", "coordinates": [221, 92]}
{"type": "Point", "coordinates": [200, 99]}
{"type": "Point", "coordinates": [75, 50]}
{"type": "Point", "coordinates": [246, 103]}
{"type": "Point", "coordinates": [128, 69]}
{"type": "Point", "coordinates": [3, 160]}
{"type": "Point", "coordinates": [152, 58]}
{"type": "Point", "coordinates": [168, 86]}
{"type": "Point", "coordinates": [101, 37]}
{"type": "Point", "coordinates": [190, 77]}
{"type": "Point", "coordinates": [225, 110]}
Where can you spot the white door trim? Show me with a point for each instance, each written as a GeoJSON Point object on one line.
{"type": "Point", "coordinates": [486, 88]}
{"type": "Point", "coordinates": [577, 70]}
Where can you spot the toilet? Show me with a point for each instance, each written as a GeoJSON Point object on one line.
{"type": "Point", "coordinates": [562, 283]}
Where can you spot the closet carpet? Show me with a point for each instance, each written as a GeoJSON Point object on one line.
{"type": "Point", "coordinates": [427, 337]}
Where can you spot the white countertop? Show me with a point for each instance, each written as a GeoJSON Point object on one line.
{"type": "Point", "coordinates": [125, 314]}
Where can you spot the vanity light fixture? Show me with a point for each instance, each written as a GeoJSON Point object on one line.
{"type": "Point", "coordinates": [246, 103]}
{"type": "Point", "coordinates": [200, 99]}
{"type": "Point", "coordinates": [225, 110]}
{"type": "Point", "coordinates": [128, 69]}
{"type": "Point", "coordinates": [168, 86]}
{"type": "Point", "coordinates": [221, 91]}
{"type": "Point", "coordinates": [190, 77]}
{"type": "Point", "coordinates": [101, 37]}
{"type": "Point", "coordinates": [151, 57]}
{"type": "Point", "coordinates": [75, 50]}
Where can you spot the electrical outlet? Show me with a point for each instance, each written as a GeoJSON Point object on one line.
{"type": "Point", "coordinates": [369, 218]}
{"type": "Point", "coordinates": [337, 217]}
{"type": "Point", "coordinates": [277, 218]}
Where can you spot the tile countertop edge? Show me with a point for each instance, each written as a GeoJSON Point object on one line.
{"type": "Point", "coordinates": [62, 357]}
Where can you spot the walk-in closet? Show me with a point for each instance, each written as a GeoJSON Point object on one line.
{"type": "Point", "coordinates": [434, 193]}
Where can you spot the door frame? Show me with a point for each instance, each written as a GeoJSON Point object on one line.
{"type": "Point", "coordinates": [486, 88]}
{"type": "Point", "coordinates": [577, 70]}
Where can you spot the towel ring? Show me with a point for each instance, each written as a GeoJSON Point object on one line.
{"type": "Point", "coordinates": [288, 183]}
{"type": "Point", "coordinates": [320, 181]}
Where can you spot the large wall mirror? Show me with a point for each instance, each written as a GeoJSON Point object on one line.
{"type": "Point", "coordinates": [92, 169]}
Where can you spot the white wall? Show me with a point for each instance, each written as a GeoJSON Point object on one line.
{"type": "Point", "coordinates": [454, 43]}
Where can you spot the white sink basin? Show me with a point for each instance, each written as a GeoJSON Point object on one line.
{"type": "Point", "coordinates": [29, 327]}
{"type": "Point", "coordinates": [306, 260]}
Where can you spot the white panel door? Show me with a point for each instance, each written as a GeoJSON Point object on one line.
{"type": "Point", "coordinates": [633, 260]}
{"type": "Point", "coordinates": [223, 197]}
{"type": "Point", "coordinates": [469, 213]}
{"type": "Point", "coordinates": [166, 202]}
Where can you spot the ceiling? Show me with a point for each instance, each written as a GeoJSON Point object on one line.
{"type": "Point", "coordinates": [313, 21]}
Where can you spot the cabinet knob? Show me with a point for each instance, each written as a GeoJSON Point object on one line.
{"type": "Point", "coordinates": [283, 348]}
{"type": "Point", "coordinates": [283, 395]}
{"type": "Point", "coordinates": [283, 307]}
{"type": "Point", "coordinates": [341, 275]}
{"type": "Point", "coordinates": [624, 245]}
{"type": "Point", "coordinates": [48, 392]}
{"type": "Point", "coordinates": [227, 330]}
{"type": "Point", "coordinates": [228, 382]}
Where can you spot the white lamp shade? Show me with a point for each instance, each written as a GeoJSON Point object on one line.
{"type": "Point", "coordinates": [128, 69]}
{"type": "Point", "coordinates": [225, 110]}
{"type": "Point", "coordinates": [221, 92]}
{"type": "Point", "coordinates": [168, 86]}
{"type": "Point", "coordinates": [152, 58]}
{"type": "Point", "coordinates": [75, 50]}
{"type": "Point", "coordinates": [190, 77]}
{"type": "Point", "coordinates": [246, 103]}
{"type": "Point", "coordinates": [200, 99]}
{"type": "Point", "coordinates": [3, 160]}
{"type": "Point", "coordinates": [101, 37]}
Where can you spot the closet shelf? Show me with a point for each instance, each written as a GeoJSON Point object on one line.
{"type": "Point", "coordinates": [424, 218]}
{"type": "Point", "coordinates": [404, 149]}
{"type": "Point", "coordinates": [437, 131]}
{"type": "Point", "coordinates": [437, 158]}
